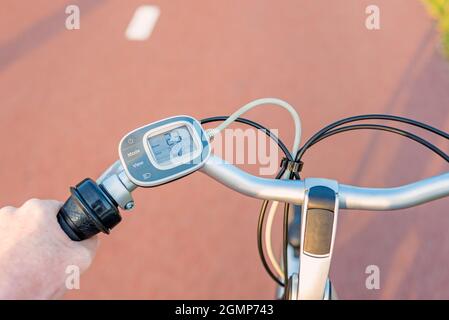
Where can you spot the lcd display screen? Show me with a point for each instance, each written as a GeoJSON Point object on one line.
{"type": "Point", "coordinates": [172, 147]}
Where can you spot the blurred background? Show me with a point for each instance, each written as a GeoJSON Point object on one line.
{"type": "Point", "coordinates": [68, 96]}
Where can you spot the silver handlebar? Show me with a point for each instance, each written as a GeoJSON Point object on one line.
{"type": "Point", "coordinates": [351, 197]}
{"type": "Point", "coordinates": [261, 188]}
{"type": "Point", "coordinates": [406, 196]}
{"type": "Point", "coordinates": [293, 191]}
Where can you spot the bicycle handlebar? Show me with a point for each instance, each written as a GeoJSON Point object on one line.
{"type": "Point", "coordinates": [350, 197]}
{"type": "Point", "coordinates": [93, 206]}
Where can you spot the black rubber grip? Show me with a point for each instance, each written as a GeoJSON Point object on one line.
{"type": "Point", "coordinates": [67, 229]}
{"type": "Point", "coordinates": [88, 211]}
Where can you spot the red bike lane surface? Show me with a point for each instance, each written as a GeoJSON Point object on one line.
{"type": "Point", "coordinates": [67, 97]}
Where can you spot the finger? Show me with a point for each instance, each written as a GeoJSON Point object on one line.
{"type": "Point", "coordinates": [58, 295]}
{"type": "Point", "coordinates": [48, 206]}
{"type": "Point", "coordinates": [54, 205]}
{"type": "Point", "coordinates": [87, 252]}
{"type": "Point", "coordinates": [31, 203]}
{"type": "Point", "coordinates": [7, 210]}
{"type": "Point", "coordinates": [34, 202]}
{"type": "Point", "coordinates": [91, 243]}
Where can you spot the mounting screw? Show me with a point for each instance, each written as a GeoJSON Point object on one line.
{"type": "Point", "coordinates": [129, 205]}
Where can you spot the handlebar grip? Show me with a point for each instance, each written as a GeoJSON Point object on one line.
{"type": "Point", "coordinates": [88, 211]}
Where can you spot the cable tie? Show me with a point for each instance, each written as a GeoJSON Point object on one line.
{"type": "Point", "coordinates": [292, 165]}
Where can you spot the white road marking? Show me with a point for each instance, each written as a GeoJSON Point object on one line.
{"type": "Point", "coordinates": [142, 23]}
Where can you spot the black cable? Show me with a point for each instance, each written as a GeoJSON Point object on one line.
{"type": "Point", "coordinates": [260, 244]}
{"type": "Point", "coordinates": [415, 123]}
{"type": "Point", "coordinates": [324, 133]}
{"type": "Point", "coordinates": [260, 224]}
{"type": "Point", "coordinates": [254, 125]}
{"type": "Point", "coordinates": [265, 202]}
{"type": "Point", "coordinates": [401, 132]}
{"type": "Point", "coordinates": [322, 137]}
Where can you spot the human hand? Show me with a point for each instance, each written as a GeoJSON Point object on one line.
{"type": "Point", "coordinates": [35, 251]}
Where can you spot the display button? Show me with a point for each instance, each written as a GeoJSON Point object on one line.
{"type": "Point", "coordinates": [146, 175]}
{"type": "Point", "coordinates": [130, 140]}
{"type": "Point", "coordinates": [133, 153]}
{"type": "Point", "coordinates": [137, 164]}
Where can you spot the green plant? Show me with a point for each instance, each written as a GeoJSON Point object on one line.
{"type": "Point", "coordinates": [439, 9]}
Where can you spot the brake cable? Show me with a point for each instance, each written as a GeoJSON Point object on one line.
{"type": "Point", "coordinates": [324, 133]}
{"type": "Point", "coordinates": [415, 123]}
{"type": "Point", "coordinates": [330, 131]}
